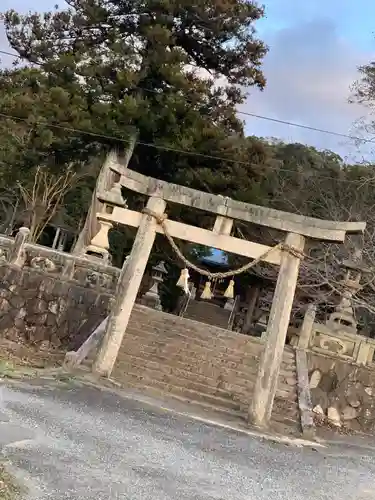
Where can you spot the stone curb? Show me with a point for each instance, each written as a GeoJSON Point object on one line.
{"type": "Point", "coordinates": [78, 379]}
{"type": "Point", "coordinates": [342, 444]}
{"type": "Point", "coordinates": [153, 402]}
{"type": "Point", "coordinates": [304, 395]}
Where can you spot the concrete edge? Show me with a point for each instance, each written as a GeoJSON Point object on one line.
{"type": "Point", "coordinates": [304, 395]}
{"type": "Point", "coordinates": [299, 443]}
{"type": "Point", "coordinates": [153, 402]}
{"type": "Point", "coordinates": [347, 445]}
{"type": "Point", "coordinates": [115, 388]}
{"type": "Point", "coordinates": [75, 358]}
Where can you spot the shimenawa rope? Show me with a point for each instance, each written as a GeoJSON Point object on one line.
{"type": "Point", "coordinates": [160, 219]}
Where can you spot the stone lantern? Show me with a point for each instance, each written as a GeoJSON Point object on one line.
{"type": "Point", "coordinates": [151, 298]}
{"type": "Point", "coordinates": [343, 317]}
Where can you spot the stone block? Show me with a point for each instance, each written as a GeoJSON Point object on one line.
{"type": "Point", "coordinates": [318, 410]}
{"type": "Point", "coordinates": [349, 413]}
{"type": "Point", "coordinates": [315, 379]}
{"type": "Point", "coordinates": [6, 321]}
{"type": "Point", "coordinates": [334, 416]}
{"type": "Point", "coordinates": [319, 398]}
{"type": "Point", "coordinates": [369, 391]}
{"type": "Point", "coordinates": [36, 319]}
{"type": "Point", "coordinates": [4, 306]}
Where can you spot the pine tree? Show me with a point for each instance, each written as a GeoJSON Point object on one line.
{"type": "Point", "coordinates": [172, 69]}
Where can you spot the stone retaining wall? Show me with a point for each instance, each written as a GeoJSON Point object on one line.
{"type": "Point", "coordinates": [52, 297]}
{"type": "Point", "coordinates": [343, 393]}
{"type": "Point", "coordinates": [37, 308]}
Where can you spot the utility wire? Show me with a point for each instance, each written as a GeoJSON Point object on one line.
{"type": "Point", "coordinates": [165, 148]}
{"type": "Point", "coordinates": [255, 115]}
{"type": "Point", "coordinates": [186, 152]}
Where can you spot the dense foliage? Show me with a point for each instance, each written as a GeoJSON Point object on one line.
{"type": "Point", "coordinates": [172, 73]}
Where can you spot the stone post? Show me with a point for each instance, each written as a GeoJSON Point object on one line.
{"type": "Point", "coordinates": [269, 366]}
{"type": "Point", "coordinates": [18, 255]}
{"type": "Point", "coordinates": [307, 326]}
{"type": "Point", "coordinates": [252, 298]}
{"type": "Point", "coordinates": [127, 289]}
{"type": "Point", "coordinates": [365, 353]}
{"type": "Point", "coordinates": [68, 269]}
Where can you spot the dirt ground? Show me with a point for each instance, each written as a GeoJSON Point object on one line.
{"type": "Point", "coordinates": [18, 359]}
{"type": "Point", "coordinates": [9, 490]}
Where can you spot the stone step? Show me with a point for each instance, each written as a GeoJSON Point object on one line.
{"type": "Point", "coordinates": [198, 316]}
{"type": "Point", "coordinates": [212, 409]}
{"type": "Point", "coordinates": [209, 367]}
{"type": "Point", "coordinates": [285, 409]}
{"type": "Point", "coordinates": [181, 382]}
{"type": "Point", "coordinates": [194, 361]}
{"type": "Point", "coordinates": [205, 316]}
{"type": "Point", "coordinates": [181, 325]}
{"type": "Point", "coordinates": [203, 405]}
{"type": "Point", "coordinates": [186, 375]}
{"type": "Point", "coordinates": [184, 342]}
{"type": "Point", "coordinates": [230, 385]}
{"type": "Point", "coordinates": [210, 403]}
{"type": "Point", "coordinates": [292, 421]}
{"type": "Point", "coordinates": [205, 376]}
{"type": "Point", "coordinates": [289, 354]}
{"type": "Point", "coordinates": [211, 371]}
{"type": "Point", "coordinates": [291, 381]}
{"type": "Point", "coordinates": [247, 366]}
{"type": "Point", "coordinates": [189, 352]}
{"type": "Point", "coordinates": [191, 394]}
{"type": "Point", "coordinates": [212, 367]}
{"type": "Point", "coordinates": [287, 372]}
{"type": "Point", "coordinates": [210, 313]}
{"type": "Point", "coordinates": [285, 392]}
{"type": "Point", "coordinates": [236, 342]}
{"type": "Point", "coordinates": [209, 374]}
{"type": "Point", "coordinates": [220, 337]}
{"type": "Point", "coordinates": [206, 307]}
{"type": "Point", "coordinates": [206, 311]}
{"type": "Point", "coordinates": [195, 329]}
{"type": "Point", "coordinates": [222, 323]}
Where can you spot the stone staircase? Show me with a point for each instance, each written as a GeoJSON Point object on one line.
{"type": "Point", "coordinates": [208, 313]}
{"type": "Point", "coordinates": [199, 363]}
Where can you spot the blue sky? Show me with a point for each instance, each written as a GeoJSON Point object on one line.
{"type": "Point", "coordinates": [315, 49]}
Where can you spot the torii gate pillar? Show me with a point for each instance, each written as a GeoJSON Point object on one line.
{"type": "Point", "coordinates": [127, 289]}
{"type": "Point", "coordinates": [269, 366]}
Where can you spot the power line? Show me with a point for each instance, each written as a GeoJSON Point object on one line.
{"type": "Point", "coordinates": [164, 148]}
{"type": "Point", "coordinates": [283, 122]}
{"type": "Point", "coordinates": [258, 116]}
{"type": "Point", "coordinates": [110, 137]}
{"type": "Point", "coordinates": [307, 127]}
{"type": "Point", "coordinates": [17, 56]}
{"type": "Point", "coordinates": [193, 153]}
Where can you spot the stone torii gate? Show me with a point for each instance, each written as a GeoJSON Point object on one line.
{"type": "Point", "coordinates": [296, 228]}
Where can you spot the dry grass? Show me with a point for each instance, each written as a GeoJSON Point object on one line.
{"type": "Point", "coordinates": [9, 490]}
{"type": "Point", "coordinates": [17, 360]}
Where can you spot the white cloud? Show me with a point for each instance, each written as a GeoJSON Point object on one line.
{"type": "Point", "coordinates": [309, 70]}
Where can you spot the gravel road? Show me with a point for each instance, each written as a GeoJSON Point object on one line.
{"type": "Point", "coordinates": [83, 443]}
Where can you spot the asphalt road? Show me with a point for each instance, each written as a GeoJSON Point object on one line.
{"type": "Point", "coordinates": [81, 443]}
